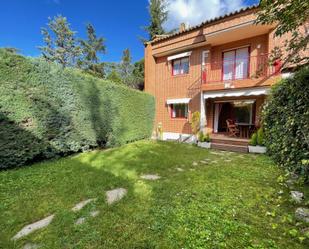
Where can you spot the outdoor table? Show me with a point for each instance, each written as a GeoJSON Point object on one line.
{"type": "Point", "coordinates": [244, 129]}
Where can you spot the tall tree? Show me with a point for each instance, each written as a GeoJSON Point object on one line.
{"type": "Point", "coordinates": [60, 42]}
{"type": "Point", "coordinates": [138, 74]}
{"type": "Point", "coordinates": [90, 49]}
{"type": "Point", "coordinates": [158, 15]}
{"type": "Point", "coordinates": [126, 67]}
{"type": "Point", "coordinates": [290, 16]}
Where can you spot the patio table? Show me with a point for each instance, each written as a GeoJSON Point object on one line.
{"type": "Point", "coordinates": [244, 129]}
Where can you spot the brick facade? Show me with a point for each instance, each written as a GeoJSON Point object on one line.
{"type": "Point", "coordinates": [232, 31]}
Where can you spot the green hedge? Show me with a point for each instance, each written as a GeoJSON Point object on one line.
{"type": "Point", "coordinates": [46, 111]}
{"type": "Point", "coordinates": [286, 122]}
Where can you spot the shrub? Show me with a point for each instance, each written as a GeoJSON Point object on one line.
{"type": "Point", "coordinates": [46, 111]}
{"type": "Point", "coordinates": [203, 137]}
{"type": "Point", "coordinates": [195, 122]}
{"type": "Point", "coordinates": [207, 138]}
{"type": "Point", "coordinates": [286, 122]}
{"type": "Point", "coordinates": [260, 137]}
{"type": "Point", "coordinates": [253, 140]}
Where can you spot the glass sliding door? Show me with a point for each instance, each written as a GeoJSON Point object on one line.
{"type": "Point", "coordinates": [228, 65]}
{"type": "Point", "coordinates": [236, 64]}
{"type": "Point", "coordinates": [242, 63]}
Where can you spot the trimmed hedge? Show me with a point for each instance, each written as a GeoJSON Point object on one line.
{"type": "Point", "coordinates": [46, 111]}
{"type": "Point", "coordinates": [286, 122]}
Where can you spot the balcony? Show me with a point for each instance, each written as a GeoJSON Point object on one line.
{"type": "Point", "coordinates": [246, 71]}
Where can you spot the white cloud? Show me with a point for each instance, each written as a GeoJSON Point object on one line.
{"type": "Point", "coordinates": [193, 12]}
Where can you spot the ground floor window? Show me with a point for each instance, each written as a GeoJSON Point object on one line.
{"type": "Point", "coordinates": [179, 110]}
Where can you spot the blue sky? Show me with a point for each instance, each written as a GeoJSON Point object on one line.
{"type": "Point", "coordinates": [120, 22]}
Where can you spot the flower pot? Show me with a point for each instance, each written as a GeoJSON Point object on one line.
{"type": "Point", "coordinates": [257, 149]}
{"type": "Point", "coordinates": [204, 145]}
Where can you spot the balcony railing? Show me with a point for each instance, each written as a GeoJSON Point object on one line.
{"type": "Point", "coordinates": [252, 67]}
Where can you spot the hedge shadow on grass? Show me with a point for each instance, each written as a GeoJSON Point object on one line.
{"type": "Point", "coordinates": [19, 146]}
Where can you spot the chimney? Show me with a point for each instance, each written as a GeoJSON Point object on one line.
{"type": "Point", "coordinates": [182, 27]}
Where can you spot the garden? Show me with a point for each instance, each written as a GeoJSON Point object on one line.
{"type": "Point", "coordinates": [172, 195]}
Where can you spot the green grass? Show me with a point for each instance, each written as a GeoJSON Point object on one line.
{"type": "Point", "coordinates": [225, 204]}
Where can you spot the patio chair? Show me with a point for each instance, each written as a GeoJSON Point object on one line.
{"type": "Point", "coordinates": [233, 131]}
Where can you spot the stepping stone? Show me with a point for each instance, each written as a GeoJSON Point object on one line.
{"type": "Point", "coordinates": [80, 221]}
{"type": "Point", "coordinates": [94, 213]}
{"type": "Point", "coordinates": [82, 204]}
{"type": "Point", "coordinates": [216, 153]}
{"type": "Point", "coordinates": [302, 214]}
{"type": "Point", "coordinates": [115, 195]}
{"type": "Point", "coordinates": [194, 163]}
{"type": "Point", "coordinates": [204, 162]}
{"type": "Point", "coordinates": [180, 169]}
{"type": "Point", "coordinates": [33, 227]}
{"type": "Point", "coordinates": [31, 246]}
{"type": "Point", "coordinates": [297, 196]}
{"type": "Point", "coordinates": [227, 160]}
{"type": "Point", "coordinates": [150, 177]}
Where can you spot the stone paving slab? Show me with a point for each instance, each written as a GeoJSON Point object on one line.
{"type": "Point", "coordinates": [80, 221]}
{"type": "Point", "coordinates": [94, 213]}
{"type": "Point", "coordinates": [31, 246]}
{"type": "Point", "coordinates": [115, 195]}
{"type": "Point", "coordinates": [150, 177]}
{"type": "Point", "coordinates": [33, 227]}
{"type": "Point", "coordinates": [82, 204]}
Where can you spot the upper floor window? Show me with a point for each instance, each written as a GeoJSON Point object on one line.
{"type": "Point", "coordinates": [179, 110]}
{"type": "Point", "coordinates": [181, 66]}
{"type": "Point", "coordinates": [236, 64]}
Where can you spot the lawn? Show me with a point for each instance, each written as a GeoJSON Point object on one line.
{"type": "Point", "coordinates": [228, 200]}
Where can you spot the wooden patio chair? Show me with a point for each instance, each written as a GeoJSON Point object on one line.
{"type": "Point", "coordinates": [233, 131]}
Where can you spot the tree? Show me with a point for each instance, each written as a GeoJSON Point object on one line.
{"type": "Point", "coordinates": [291, 16]}
{"type": "Point", "coordinates": [125, 65]}
{"type": "Point", "coordinates": [126, 68]}
{"type": "Point", "coordinates": [60, 42]}
{"type": "Point", "coordinates": [11, 50]}
{"type": "Point", "coordinates": [158, 15]}
{"type": "Point", "coordinates": [90, 48]}
{"type": "Point", "coordinates": [138, 74]}
{"type": "Point", "coordinates": [114, 76]}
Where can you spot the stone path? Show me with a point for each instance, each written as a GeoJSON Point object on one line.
{"type": "Point", "coordinates": [33, 227]}
{"type": "Point", "coordinates": [82, 204]}
{"type": "Point", "coordinates": [31, 246]}
{"type": "Point", "coordinates": [112, 196]}
{"type": "Point", "coordinates": [150, 177]}
{"type": "Point", "coordinates": [180, 169]}
{"type": "Point", "coordinates": [94, 213]}
{"type": "Point", "coordinates": [115, 195]}
{"type": "Point", "coordinates": [80, 221]}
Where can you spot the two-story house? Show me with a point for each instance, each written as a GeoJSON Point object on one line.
{"type": "Point", "coordinates": [221, 68]}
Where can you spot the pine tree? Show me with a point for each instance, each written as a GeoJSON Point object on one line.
{"type": "Point", "coordinates": [90, 49]}
{"type": "Point", "coordinates": [60, 42]}
{"type": "Point", "coordinates": [158, 15]}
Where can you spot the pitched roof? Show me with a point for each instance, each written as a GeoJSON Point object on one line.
{"type": "Point", "coordinates": [164, 37]}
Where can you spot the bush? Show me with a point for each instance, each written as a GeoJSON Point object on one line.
{"type": "Point", "coordinates": [46, 111]}
{"type": "Point", "coordinates": [286, 122]}
{"type": "Point", "coordinates": [203, 137]}
{"type": "Point", "coordinates": [200, 136]}
{"type": "Point", "coordinates": [260, 137]}
{"type": "Point", "coordinates": [253, 140]}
